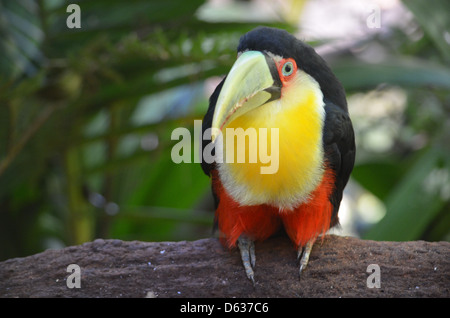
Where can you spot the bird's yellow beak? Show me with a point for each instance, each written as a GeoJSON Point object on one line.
{"type": "Point", "coordinates": [249, 84]}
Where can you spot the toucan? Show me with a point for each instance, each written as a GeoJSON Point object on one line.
{"type": "Point", "coordinates": [280, 84]}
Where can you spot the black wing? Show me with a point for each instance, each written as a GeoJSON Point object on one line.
{"type": "Point", "coordinates": [339, 147]}
{"type": "Point", "coordinates": [207, 122]}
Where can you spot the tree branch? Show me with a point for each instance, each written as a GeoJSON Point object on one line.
{"type": "Point", "coordinates": [337, 268]}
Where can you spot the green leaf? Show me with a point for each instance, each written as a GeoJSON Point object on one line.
{"type": "Point", "coordinates": [412, 204]}
{"type": "Point", "coordinates": [407, 72]}
{"type": "Point", "coordinates": [387, 173]}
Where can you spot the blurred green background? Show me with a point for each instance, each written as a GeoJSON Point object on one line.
{"type": "Point", "coordinates": [86, 114]}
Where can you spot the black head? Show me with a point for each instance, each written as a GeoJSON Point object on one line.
{"type": "Point", "coordinates": [284, 44]}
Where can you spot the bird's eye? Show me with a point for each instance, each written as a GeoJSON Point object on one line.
{"type": "Point", "coordinates": [288, 68]}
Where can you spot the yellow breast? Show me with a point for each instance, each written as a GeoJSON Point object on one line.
{"type": "Point", "coordinates": [281, 161]}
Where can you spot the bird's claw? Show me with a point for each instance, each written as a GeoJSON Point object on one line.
{"type": "Point", "coordinates": [247, 249]}
{"type": "Point", "coordinates": [303, 254]}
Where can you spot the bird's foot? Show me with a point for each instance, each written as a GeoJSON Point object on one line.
{"type": "Point", "coordinates": [303, 254]}
{"type": "Point", "coordinates": [247, 249]}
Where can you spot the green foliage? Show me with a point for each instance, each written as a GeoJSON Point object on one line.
{"type": "Point", "coordinates": [86, 117]}
{"type": "Point", "coordinates": [418, 180]}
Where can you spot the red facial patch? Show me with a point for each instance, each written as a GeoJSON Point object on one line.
{"type": "Point", "coordinates": [287, 68]}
